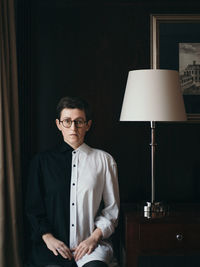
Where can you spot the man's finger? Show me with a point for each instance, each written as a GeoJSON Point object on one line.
{"type": "Point", "coordinates": [62, 254]}
{"type": "Point", "coordinates": [68, 253]}
{"type": "Point", "coordinates": [80, 253]}
{"type": "Point", "coordinates": [89, 251]}
{"type": "Point", "coordinates": [55, 252]}
{"type": "Point", "coordinates": [65, 252]}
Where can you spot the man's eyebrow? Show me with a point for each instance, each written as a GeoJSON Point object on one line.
{"type": "Point", "coordinates": [74, 119]}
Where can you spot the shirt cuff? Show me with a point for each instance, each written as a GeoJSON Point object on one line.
{"type": "Point", "coordinates": [106, 228]}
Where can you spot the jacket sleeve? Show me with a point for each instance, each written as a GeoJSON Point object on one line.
{"type": "Point", "coordinates": [108, 218]}
{"type": "Point", "coordinates": [35, 208]}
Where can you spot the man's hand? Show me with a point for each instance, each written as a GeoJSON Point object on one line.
{"type": "Point", "coordinates": [57, 246]}
{"type": "Point", "coordinates": [88, 245]}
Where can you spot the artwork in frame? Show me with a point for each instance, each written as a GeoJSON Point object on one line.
{"type": "Point", "coordinates": [175, 45]}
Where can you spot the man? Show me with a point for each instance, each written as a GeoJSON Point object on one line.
{"type": "Point", "coordinates": [67, 187]}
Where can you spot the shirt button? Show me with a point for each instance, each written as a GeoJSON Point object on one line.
{"type": "Point", "coordinates": [74, 152]}
{"type": "Point", "coordinates": [72, 204]}
{"type": "Point", "coordinates": [73, 184]}
{"type": "Point", "coordinates": [74, 165]}
{"type": "Point", "coordinates": [72, 225]}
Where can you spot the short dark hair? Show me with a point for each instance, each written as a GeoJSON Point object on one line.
{"type": "Point", "coordinates": [73, 102]}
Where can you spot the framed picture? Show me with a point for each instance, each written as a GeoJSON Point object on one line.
{"type": "Point", "coordinates": [175, 45]}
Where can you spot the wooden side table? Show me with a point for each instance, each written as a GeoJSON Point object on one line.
{"type": "Point", "coordinates": [178, 233]}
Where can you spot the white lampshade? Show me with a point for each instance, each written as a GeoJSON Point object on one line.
{"type": "Point", "coordinates": [153, 95]}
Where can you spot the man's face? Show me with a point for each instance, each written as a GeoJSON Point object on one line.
{"type": "Point", "coordinates": [73, 135]}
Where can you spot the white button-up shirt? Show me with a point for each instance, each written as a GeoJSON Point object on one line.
{"type": "Point", "coordinates": [93, 180]}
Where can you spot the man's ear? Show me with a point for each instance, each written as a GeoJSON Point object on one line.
{"type": "Point", "coordinates": [89, 123]}
{"type": "Point", "coordinates": [58, 124]}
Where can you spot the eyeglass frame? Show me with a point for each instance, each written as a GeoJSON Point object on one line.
{"type": "Point", "coordinates": [75, 123]}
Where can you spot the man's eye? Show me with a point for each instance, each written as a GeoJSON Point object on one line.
{"type": "Point", "coordinates": [67, 121]}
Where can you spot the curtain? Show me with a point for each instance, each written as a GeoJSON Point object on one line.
{"type": "Point", "coordinates": [10, 184]}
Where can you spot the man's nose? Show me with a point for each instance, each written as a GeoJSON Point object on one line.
{"type": "Point", "coordinates": [73, 125]}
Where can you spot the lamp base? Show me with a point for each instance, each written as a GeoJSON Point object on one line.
{"type": "Point", "coordinates": [155, 210]}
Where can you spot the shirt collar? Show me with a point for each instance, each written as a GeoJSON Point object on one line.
{"type": "Point", "coordinates": [65, 147]}
{"type": "Point", "coordinates": [82, 148]}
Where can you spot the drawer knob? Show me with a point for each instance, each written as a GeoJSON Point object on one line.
{"type": "Point", "coordinates": [179, 237]}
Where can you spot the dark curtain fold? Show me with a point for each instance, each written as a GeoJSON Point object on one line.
{"type": "Point", "coordinates": [10, 183]}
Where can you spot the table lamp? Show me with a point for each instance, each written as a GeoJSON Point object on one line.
{"type": "Point", "coordinates": [153, 95]}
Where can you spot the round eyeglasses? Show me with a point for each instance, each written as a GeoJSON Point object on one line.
{"type": "Point", "coordinates": [67, 123]}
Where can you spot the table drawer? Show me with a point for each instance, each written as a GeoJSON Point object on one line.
{"type": "Point", "coordinates": [169, 237]}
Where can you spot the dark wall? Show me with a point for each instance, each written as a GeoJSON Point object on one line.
{"type": "Point", "coordinates": [86, 49]}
